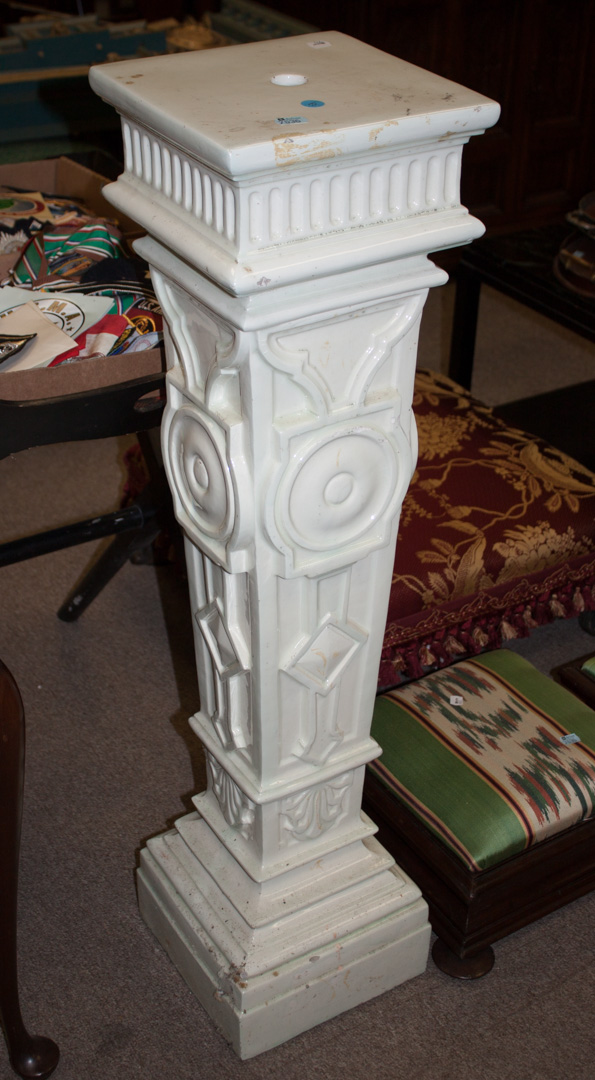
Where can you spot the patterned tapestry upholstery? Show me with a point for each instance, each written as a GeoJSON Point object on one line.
{"type": "Point", "coordinates": [490, 754]}
{"type": "Point", "coordinates": [497, 536]}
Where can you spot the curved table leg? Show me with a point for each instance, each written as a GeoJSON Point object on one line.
{"type": "Point", "coordinates": [31, 1056]}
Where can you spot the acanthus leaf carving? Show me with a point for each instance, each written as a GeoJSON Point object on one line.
{"type": "Point", "coordinates": [313, 811]}
{"type": "Point", "coordinates": [237, 809]}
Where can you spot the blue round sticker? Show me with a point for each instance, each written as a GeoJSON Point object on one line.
{"type": "Point", "coordinates": [311, 104]}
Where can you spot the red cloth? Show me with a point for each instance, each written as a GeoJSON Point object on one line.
{"type": "Point", "coordinates": [497, 535]}
{"type": "Point", "coordinates": [98, 340]}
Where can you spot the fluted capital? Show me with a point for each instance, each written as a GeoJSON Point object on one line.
{"type": "Point", "coordinates": [289, 159]}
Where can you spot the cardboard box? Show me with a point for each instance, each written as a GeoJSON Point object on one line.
{"type": "Point", "coordinates": [60, 176]}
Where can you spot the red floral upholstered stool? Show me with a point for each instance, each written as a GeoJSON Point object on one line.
{"type": "Point", "coordinates": [485, 794]}
{"type": "Point", "coordinates": [497, 536]}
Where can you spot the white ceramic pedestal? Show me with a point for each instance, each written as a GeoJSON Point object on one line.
{"type": "Point", "coordinates": [291, 191]}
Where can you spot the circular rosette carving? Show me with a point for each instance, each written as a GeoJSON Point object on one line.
{"type": "Point", "coordinates": [338, 490]}
{"type": "Point", "coordinates": [200, 473]}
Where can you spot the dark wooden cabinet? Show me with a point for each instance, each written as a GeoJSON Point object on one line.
{"type": "Point", "coordinates": [536, 57]}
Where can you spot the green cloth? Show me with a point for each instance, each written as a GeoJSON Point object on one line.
{"type": "Point", "coordinates": [488, 774]}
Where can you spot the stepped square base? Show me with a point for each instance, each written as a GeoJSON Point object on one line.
{"type": "Point", "coordinates": [264, 983]}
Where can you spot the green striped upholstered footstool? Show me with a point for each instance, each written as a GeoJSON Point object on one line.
{"type": "Point", "coordinates": [485, 795]}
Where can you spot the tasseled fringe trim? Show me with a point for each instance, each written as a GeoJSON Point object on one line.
{"type": "Point", "coordinates": [401, 664]}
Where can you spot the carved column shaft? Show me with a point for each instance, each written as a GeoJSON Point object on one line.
{"type": "Point", "coordinates": [292, 270]}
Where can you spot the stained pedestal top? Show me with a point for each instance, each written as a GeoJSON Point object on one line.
{"type": "Point", "coordinates": [248, 108]}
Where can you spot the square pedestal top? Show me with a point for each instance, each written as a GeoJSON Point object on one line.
{"type": "Point", "coordinates": [248, 108]}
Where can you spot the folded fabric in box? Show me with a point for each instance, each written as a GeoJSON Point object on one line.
{"type": "Point", "coordinates": [29, 339]}
{"type": "Point", "coordinates": [98, 340]}
{"type": "Point", "coordinates": [68, 249]}
{"type": "Point", "coordinates": [483, 754]}
{"type": "Point", "coordinates": [65, 252]}
{"type": "Point", "coordinates": [70, 312]}
{"type": "Point", "coordinates": [24, 213]}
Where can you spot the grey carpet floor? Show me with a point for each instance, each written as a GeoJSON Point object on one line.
{"type": "Point", "coordinates": [111, 761]}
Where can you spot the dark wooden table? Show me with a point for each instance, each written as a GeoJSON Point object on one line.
{"type": "Point", "coordinates": [134, 406]}
{"type": "Point", "coordinates": [521, 266]}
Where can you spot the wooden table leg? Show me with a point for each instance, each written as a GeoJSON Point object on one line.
{"type": "Point", "coordinates": [464, 327]}
{"type": "Point", "coordinates": [30, 1055]}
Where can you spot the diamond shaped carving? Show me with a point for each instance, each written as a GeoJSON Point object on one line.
{"type": "Point", "coordinates": [322, 661]}
{"type": "Point", "coordinates": [218, 641]}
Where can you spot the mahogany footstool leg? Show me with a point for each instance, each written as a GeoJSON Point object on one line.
{"type": "Point", "coordinates": [468, 967]}
{"type": "Point", "coordinates": [31, 1056]}
{"type": "Point", "coordinates": [587, 622]}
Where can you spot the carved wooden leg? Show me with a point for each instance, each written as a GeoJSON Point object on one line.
{"type": "Point", "coordinates": [30, 1055]}
{"type": "Point", "coordinates": [468, 967]}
